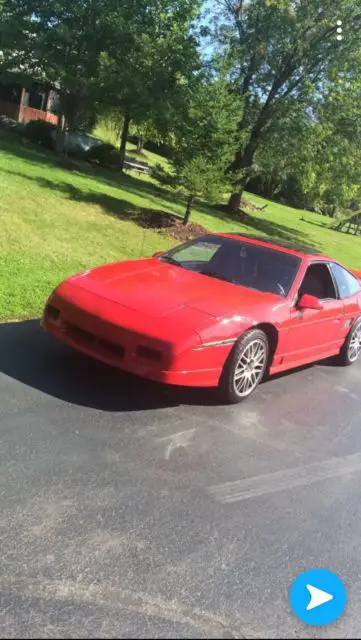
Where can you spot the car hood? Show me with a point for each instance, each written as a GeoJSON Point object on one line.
{"type": "Point", "coordinates": [159, 289]}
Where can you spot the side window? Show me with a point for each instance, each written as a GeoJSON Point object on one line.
{"type": "Point", "coordinates": [318, 282]}
{"type": "Point", "coordinates": [347, 284]}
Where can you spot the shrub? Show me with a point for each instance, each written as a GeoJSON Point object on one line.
{"type": "Point", "coordinates": [166, 178]}
{"type": "Point", "coordinates": [41, 132]}
{"type": "Point", "coordinates": [106, 155]}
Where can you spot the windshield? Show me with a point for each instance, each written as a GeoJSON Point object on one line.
{"type": "Point", "coordinates": [238, 262]}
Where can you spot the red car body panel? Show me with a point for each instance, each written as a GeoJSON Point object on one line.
{"type": "Point", "coordinates": [177, 326]}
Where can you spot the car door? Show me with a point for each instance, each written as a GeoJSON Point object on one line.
{"type": "Point", "coordinates": [315, 333]}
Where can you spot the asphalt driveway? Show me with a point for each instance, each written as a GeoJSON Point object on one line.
{"type": "Point", "coordinates": [128, 509]}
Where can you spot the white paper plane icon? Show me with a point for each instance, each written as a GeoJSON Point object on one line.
{"type": "Point", "coordinates": [318, 597]}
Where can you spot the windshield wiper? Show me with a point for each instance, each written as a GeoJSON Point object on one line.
{"type": "Point", "coordinates": [214, 274]}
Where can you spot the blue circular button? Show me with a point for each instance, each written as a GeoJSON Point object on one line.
{"type": "Point", "coordinates": [318, 597]}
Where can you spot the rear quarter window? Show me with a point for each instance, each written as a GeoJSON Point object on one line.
{"type": "Point", "coordinates": [347, 283]}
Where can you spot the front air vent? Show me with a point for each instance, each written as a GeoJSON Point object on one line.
{"type": "Point", "coordinates": [111, 347]}
{"type": "Point", "coordinates": [149, 354]}
{"type": "Point", "coordinates": [85, 337]}
{"type": "Point", "coordinates": [52, 312]}
{"type": "Point", "coordinates": [79, 335]}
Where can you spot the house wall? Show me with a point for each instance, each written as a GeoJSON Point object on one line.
{"type": "Point", "coordinates": [24, 105]}
{"type": "Point", "coordinates": [28, 113]}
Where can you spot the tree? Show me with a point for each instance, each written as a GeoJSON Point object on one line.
{"type": "Point", "coordinates": [337, 161]}
{"type": "Point", "coordinates": [204, 140]}
{"type": "Point", "coordinates": [200, 177]}
{"type": "Point", "coordinates": [284, 165]}
{"type": "Point", "coordinates": [62, 43]}
{"type": "Point", "coordinates": [145, 77]}
{"type": "Point", "coordinates": [144, 131]}
{"type": "Point", "coordinates": [128, 54]}
{"type": "Point", "coordinates": [280, 49]}
{"type": "Point", "coordinates": [310, 157]}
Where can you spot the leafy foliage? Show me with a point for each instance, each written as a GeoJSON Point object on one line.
{"type": "Point", "coordinates": [106, 155]}
{"type": "Point", "coordinates": [61, 44]}
{"type": "Point", "coordinates": [200, 177]}
{"type": "Point", "coordinates": [281, 50]}
{"type": "Point", "coordinates": [146, 72]}
{"type": "Point", "coordinates": [205, 139]}
{"type": "Point", "coordinates": [310, 158]}
{"type": "Point", "coordinates": [124, 54]}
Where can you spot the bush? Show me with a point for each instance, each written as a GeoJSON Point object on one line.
{"type": "Point", "coordinates": [41, 132]}
{"type": "Point", "coordinates": [163, 177]}
{"type": "Point", "coordinates": [106, 155]}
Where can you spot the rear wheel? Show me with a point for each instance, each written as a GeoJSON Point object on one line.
{"type": "Point", "coordinates": [351, 350]}
{"type": "Point", "coordinates": [245, 367]}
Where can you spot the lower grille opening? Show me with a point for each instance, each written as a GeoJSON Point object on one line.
{"type": "Point", "coordinates": [111, 347]}
{"type": "Point", "coordinates": [81, 335]}
{"type": "Point", "coordinates": [149, 354]}
{"type": "Point", "coordinates": [76, 333]}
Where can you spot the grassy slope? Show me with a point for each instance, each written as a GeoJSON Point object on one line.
{"type": "Point", "coordinates": [107, 134]}
{"type": "Point", "coordinates": [54, 222]}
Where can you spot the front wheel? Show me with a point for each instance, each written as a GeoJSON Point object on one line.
{"type": "Point", "coordinates": [351, 349]}
{"type": "Point", "coordinates": [245, 367]}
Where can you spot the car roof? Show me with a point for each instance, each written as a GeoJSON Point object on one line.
{"type": "Point", "coordinates": [293, 248]}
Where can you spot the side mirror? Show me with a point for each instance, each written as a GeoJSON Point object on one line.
{"type": "Point", "coordinates": [309, 302]}
{"type": "Point", "coordinates": [157, 253]}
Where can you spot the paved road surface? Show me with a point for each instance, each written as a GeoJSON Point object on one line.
{"type": "Point", "coordinates": [129, 509]}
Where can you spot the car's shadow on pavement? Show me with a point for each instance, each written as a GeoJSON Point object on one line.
{"type": "Point", "coordinates": [32, 357]}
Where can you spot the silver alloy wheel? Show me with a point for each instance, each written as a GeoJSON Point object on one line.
{"type": "Point", "coordinates": [250, 368]}
{"type": "Point", "coordinates": [354, 348]}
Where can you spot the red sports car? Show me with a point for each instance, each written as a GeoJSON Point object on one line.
{"type": "Point", "coordinates": [218, 311]}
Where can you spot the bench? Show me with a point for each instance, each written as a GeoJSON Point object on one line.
{"type": "Point", "coordinates": [140, 168]}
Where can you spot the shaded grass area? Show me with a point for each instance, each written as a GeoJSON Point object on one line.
{"type": "Point", "coordinates": [55, 222]}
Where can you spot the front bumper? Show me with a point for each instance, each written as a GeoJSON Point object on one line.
{"type": "Point", "coordinates": [115, 346]}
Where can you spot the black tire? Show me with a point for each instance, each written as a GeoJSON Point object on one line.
{"type": "Point", "coordinates": [228, 385]}
{"type": "Point", "coordinates": [347, 354]}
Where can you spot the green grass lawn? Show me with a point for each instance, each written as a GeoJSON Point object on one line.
{"type": "Point", "coordinates": [55, 222]}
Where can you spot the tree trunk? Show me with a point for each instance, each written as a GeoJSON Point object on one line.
{"type": "Point", "coordinates": [140, 144]}
{"type": "Point", "coordinates": [123, 139]}
{"type": "Point", "coordinates": [60, 134]}
{"type": "Point", "coordinates": [187, 214]}
{"type": "Point", "coordinates": [243, 160]}
{"type": "Point", "coordinates": [234, 202]}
